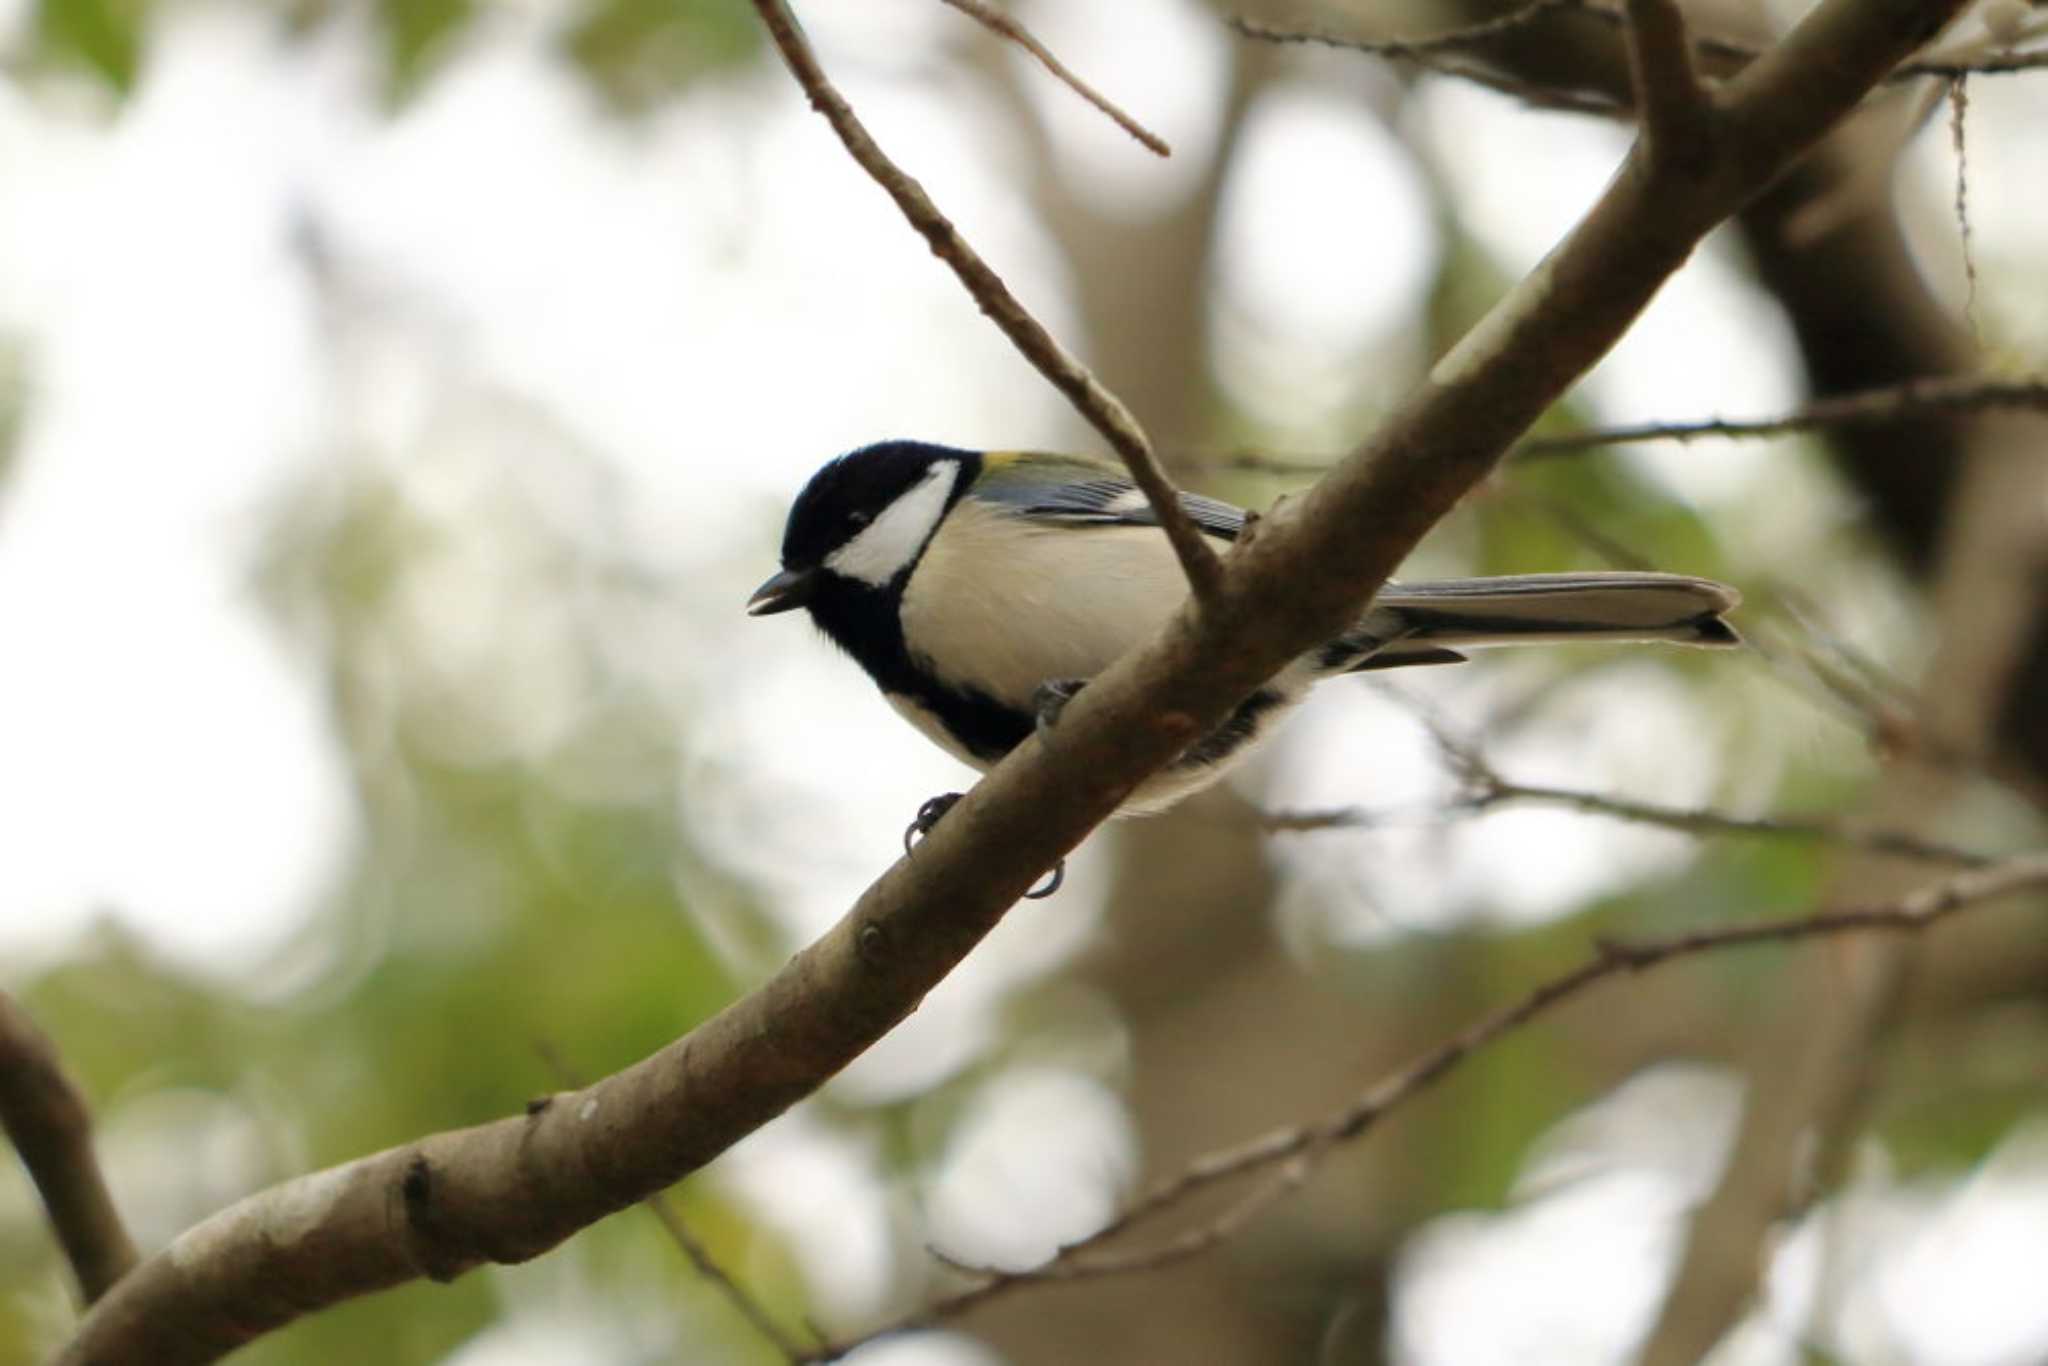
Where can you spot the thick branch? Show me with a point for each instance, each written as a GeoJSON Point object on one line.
{"type": "Point", "coordinates": [46, 1118]}
{"type": "Point", "coordinates": [510, 1190]}
{"type": "Point", "coordinates": [1103, 409]}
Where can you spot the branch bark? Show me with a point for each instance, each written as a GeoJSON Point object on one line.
{"type": "Point", "coordinates": [46, 1118]}
{"type": "Point", "coordinates": [510, 1190]}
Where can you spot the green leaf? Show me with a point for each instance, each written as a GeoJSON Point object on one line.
{"type": "Point", "coordinates": [641, 51]}
{"type": "Point", "coordinates": [417, 31]}
{"type": "Point", "coordinates": [104, 36]}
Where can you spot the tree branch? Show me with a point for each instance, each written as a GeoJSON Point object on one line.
{"type": "Point", "coordinates": [1436, 50]}
{"type": "Point", "coordinates": [1945, 396]}
{"type": "Point", "coordinates": [1294, 1150]}
{"type": "Point", "coordinates": [509, 1190]}
{"type": "Point", "coordinates": [1935, 396]}
{"type": "Point", "coordinates": [1104, 410]}
{"type": "Point", "coordinates": [47, 1120]}
{"type": "Point", "coordinates": [1704, 822]}
{"type": "Point", "coordinates": [1443, 52]}
{"type": "Point", "coordinates": [1676, 110]}
{"type": "Point", "coordinates": [1007, 26]}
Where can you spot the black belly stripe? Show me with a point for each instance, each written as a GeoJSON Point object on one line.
{"type": "Point", "coordinates": [1220, 743]}
{"type": "Point", "coordinates": [980, 725]}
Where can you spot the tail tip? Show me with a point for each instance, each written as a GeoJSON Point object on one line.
{"type": "Point", "coordinates": [1708, 629]}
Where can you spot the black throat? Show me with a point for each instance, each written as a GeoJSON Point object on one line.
{"type": "Point", "coordinates": [863, 621]}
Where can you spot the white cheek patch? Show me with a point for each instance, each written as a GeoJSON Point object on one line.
{"type": "Point", "coordinates": [892, 540]}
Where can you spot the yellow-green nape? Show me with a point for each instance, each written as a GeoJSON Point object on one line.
{"type": "Point", "coordinates": [1049, 463]}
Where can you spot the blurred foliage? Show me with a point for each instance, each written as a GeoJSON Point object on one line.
{"type": "Point", "coordinates": [490, 917]}
{"type": "Point", "coordinates": [414, 33]}
{"type": "Point", "coordinates": [103, 36]}
{"type": "Point", "coordinates": [496, 908]}
{"type": "Point", "coordinates": [637, 52]}
{"type": "Point", "coordinates": [13, 394]}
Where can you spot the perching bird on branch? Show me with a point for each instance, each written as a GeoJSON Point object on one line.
{"type": "Point", "coordinates": [981, 589]}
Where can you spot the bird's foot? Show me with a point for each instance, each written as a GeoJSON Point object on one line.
{"type": "Point", "coordinates": [1052, 883]}
{"type": "Point", "coordinates": [935, 809]}
{"type": "Point", "coordinates": [1051, 699]}
{"type": "Point", "coordinates": [928, 816]}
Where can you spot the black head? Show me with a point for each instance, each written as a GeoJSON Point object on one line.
{"type": "Point", "coordinates": [865, 518]}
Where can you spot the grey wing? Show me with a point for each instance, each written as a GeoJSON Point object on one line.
{"type": "Point", "coordinates": [1106, 500]}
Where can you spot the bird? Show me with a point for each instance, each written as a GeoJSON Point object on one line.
{"type": "Point", "coordinates": [981, 589]}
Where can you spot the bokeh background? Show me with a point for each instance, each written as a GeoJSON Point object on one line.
{"type": "Point", "coordinates": [400, 400]}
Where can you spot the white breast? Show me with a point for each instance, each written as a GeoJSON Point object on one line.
{"type": "Point", "coordinates": [1001, 605]}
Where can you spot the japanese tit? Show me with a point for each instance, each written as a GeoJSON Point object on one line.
{"type": "Point", "coordinates": [973, 586]}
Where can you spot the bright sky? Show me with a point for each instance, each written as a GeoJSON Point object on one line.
{"type": "Point", "coordinates": [655, 293]}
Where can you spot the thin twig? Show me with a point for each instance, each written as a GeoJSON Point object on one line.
{"type": "Point", "coordinates": [1301, 1145]}
{"type": "Point", "coordinates": [1433, 50]}
{"type": "Point", "coordinates": [1704, 822]}
{"type": "Point", "coordinates": [1443, 51]}
{"type": "Point", "coordinates": [1958, 114]}
{"type": "Point", "coordinates": [1941, 396]}
{"type": "Point", "coordinates": [1415, 49]}
{"type": "Point", "coordinates": [1484, 788]}
{"type": "Point", "coordinates": [2011, 64]}
{"type": "Point", "coordinates": [695, 1253]}
{"type": "Point", "coordinates": [1006, 26]}
{"type": "Point", "coordinates": [1944, 396]}
{"type": "Point", "coordinates": [1102, 408]}
{"type": "Point", "coordinates": [46, 1118]}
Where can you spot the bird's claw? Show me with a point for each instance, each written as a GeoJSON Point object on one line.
{"type": "Point", "coordinates": [935, 809]}
{"type": "Point", "coordinates": [1053, 880]}
{"type": "Point", "coordinates": [1051, 699]}
{"type": "Point", "coordinates": [928, 816]}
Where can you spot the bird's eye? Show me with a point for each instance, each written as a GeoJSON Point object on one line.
{"type": "Point", "coordinates": [859, 518]}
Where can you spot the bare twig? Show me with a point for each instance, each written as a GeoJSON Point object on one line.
{"type": "Point", "coordinates": [1415, 49]}
{"type": "Point", "coordinates": [695, 1253]}
{"type": "Point", "coordinates": [1443, 52]}
{"type": "Point", "coordinates": [1936, 396]}
{"type": "Point", "coordinates": [1096, 403]}
{"type": "Point", "coordinates": [1295, 1149]}
{"type": "Point", "coordinates": [1006, 26]}
{"type": "Point", "coordinates": [2011, 64]}
{"type": "Point", "coordinates": [1941, 396]}
{"type": "Point", "coordinates": [1958, 115]}
{"type": "Point", "coordinates": [1436, 50]}
{"type": "Point", "coordinates": [1484, 788]}
{"type": "Point", "coordinates": [46, 1118]}
{"type": "Point", "coordinates": [1704, 822]}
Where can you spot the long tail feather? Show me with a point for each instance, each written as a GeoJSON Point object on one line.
{"type": "Point", "coordinates": [1426, 623]}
